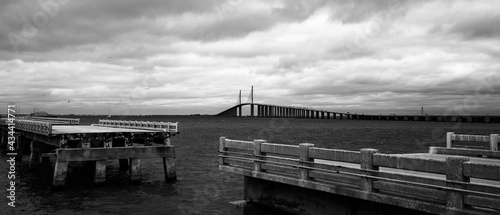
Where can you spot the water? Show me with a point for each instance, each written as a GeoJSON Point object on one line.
{"type": "Point", "coordinates": [201, 188]}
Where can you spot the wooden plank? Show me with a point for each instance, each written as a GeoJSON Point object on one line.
{"type": "Point", "coordinates": [409, 163]}
{"type": "Point", "coordinates": [480, 201]}
{"type": "Point", "coordinates": [90, 154]}
{"type": "Point", "coordinates": [464, 152]}
{"type": "Point", "coordinates": [280, 149]}
{"type": "Point", "coordinates": [483, 171]}
{"type": "Point", "coordinates": [238, 144]}
{"type": "Point", "coordinates": [410, 190]}
{"type": "Point", "coordinates": [335, 155]}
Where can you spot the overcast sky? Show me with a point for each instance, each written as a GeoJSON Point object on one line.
{"type": "Point", "coordinates": [186, 56]}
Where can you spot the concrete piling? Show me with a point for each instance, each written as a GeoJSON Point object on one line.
{"type": "Point", "coordinates": [100, 171]}
{"type": "Point", "coordinates": [135, 170]}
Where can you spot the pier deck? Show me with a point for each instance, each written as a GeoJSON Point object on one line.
{"type": "Point", "coordinates": [309, 180]}
{"type": "Point", "coordinates": [67, 141]}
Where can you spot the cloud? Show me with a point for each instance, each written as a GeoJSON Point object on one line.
{"type": "Point", "coordinates": [180, 57]}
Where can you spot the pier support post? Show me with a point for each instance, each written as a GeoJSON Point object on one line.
{"type": "Point", "coordinates": [454, 173]}
{"type": "Point", "coordinates": [60, 171]}
{"type": "Point", "coordinates": [100, 171]}
{"type": "Point", "coordinates": [3, 142]}
{"type": "Point", "coordinates": [257, 153]}
{"type": "Point", "coordinates": [169, 169]}
{"type": "Point", "coordinates": [252, 110]}
{"type": "Point", "coordinates": [304, 159]}
{"type": "Point", "coordinates": [494, 142]}
{"type": "Point", "coordinates": [449, 139]}
{"type": "Point", "coordinates": [35, 156]}
{"type": "Point", "coordinates": [135, 170]}
{"type": "Point", "coordinates": [367, 163]}
{"type": "Point", "coordinates": [20, 147]}
{"type": "Point", "coordinates": [115, 142]}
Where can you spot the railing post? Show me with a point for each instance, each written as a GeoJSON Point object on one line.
{"type": "Point", "coordinates": [367, 163]}
{"type": "Point", "coordinates": [303, 158]}
{"type": "Point", "coordinates": [222, 149]}
{"type": "Point", "coordinates": [454, 173]}
{"type": "Point", "coordinates": [494, 142]}
{"type": "Point", "coordinates": [257, 153]}
{"type": "Point", "coordinates": [449, 139]}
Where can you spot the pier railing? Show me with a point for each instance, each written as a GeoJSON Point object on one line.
{"type": "Point", "coordinates": [451, 149]}
{"type": "Point", "coordinates": [147, 125]}
{"type": "Point", "coordinates": [62, 121]}
{"type": "Point", "coordinates": [492, 139]}
{"type": "Point", "coordinates": [429, 185]}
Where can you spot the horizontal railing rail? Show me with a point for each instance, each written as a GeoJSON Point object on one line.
{"type": "Point", "coordinates": [146, 125]}
{"type": "Point", "coordinates": [443, 184]}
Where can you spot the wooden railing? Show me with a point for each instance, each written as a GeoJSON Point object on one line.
{"type": "Point", "coordinates": [146, 125]}
{"type": "Point", "coordinates": [428, 185]}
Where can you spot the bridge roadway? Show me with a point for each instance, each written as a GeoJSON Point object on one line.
{"type": "Point", "coordinates": [279, 111]}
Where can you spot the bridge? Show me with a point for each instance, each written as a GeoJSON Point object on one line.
{"type": "Point", "coordinates": [282, 111]}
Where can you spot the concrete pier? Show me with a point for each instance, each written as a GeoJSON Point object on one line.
{"type": "Point", "coordinates": [304, 179]}
{"type": "Point", "coordinates": [126, 141]}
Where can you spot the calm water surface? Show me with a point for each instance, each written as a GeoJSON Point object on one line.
{"type": "Point", "coordinates": [201, 188]}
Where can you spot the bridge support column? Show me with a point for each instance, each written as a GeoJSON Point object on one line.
{"type": "Point", "coordinates": [240, 111]}
{"type": "Point", "coordinates": [252, 110]}
{"type": "Point", "coordinates": [322, 115]}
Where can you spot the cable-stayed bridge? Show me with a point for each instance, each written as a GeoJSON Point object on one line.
{"type": "Point", "coordinates": [282, 111]}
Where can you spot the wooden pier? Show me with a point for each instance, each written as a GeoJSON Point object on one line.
{"type": "Point", "coordinates": [66, 141]}
{"type": "Point", "coordinates": [304, 179]}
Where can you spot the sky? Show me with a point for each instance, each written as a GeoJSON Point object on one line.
{"type": "Point", "coordinates": [193, 57]}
